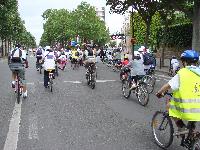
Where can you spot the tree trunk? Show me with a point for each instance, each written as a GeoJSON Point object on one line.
{"type": "Point", "coordinates": [148, 24]}
{"type": "Point", "coordinates": [196, 27]}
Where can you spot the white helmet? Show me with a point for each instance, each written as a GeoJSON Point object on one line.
{"type": "Point", "coordinates": [140, 49]}
{"type": "Point", "coordinates": [47, 48]}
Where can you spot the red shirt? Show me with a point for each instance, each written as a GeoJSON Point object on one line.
{"type": "Point", "coordinates": [125, 62]}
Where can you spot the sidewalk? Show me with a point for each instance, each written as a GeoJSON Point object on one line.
{"type": "Point", "coordinates": [164, 69]}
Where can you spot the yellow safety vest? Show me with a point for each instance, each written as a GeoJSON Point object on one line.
{"type": "Point", "coordinates": [74, 54]}
{"type": "Point", "coordinates": [185, 103]}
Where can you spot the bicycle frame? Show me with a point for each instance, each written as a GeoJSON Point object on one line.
{"type": "Point", "coordinates": [18, 87]}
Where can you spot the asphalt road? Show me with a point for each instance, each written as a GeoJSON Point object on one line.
{"type": "Point", "coordinates": [74, 116]}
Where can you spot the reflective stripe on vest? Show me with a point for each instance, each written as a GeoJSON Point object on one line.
{"type": "Point", "coordinates": [185, 103]}
{"type": "Point", "coordinates": [184, 110]}
{"type": "Point", "coordinates": [186, 100]}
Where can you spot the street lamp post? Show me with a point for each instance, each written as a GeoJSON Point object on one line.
{"type": "Point", "coordinates": [132, 19]}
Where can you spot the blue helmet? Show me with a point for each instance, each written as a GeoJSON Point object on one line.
{"type": "Point", "coordinates": [190, 55]}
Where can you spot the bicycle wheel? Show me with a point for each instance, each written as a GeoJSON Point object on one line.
{"type": "Point", "coordinates": [18, 90]}
{"type": "Point", "coordinates": [56, 70]}
{"type": "Point", "coordinates": [142, 94]}
{"type": "Point", "coordinates": [126, 89]}
{"type": "Point", "coordinates": [92, 84]}
{"type": "Point", "coordinates": [162, 129]}
{"type": "Point", "coordinates": [150, 81]}
{"type": "Point", "coordinates": [40, 69]}
{"type": "Point", "coordinates": [51, 84]}
{"type": "Point", "coordinates": [196, 145]}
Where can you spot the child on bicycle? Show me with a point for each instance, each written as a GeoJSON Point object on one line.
{"type": "Point", "coordinates": [62, 60]}
{"type": "Point", "coordinates": [185, 103]}
{"type": "Point", "coordinates": [137, 71]}
{"type": "Point", "coordinates": [174, 64]}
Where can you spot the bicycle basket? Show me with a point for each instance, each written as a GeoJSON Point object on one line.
{"type": "Point", "coordinates": [16, 66]}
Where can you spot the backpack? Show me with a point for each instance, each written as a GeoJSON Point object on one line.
{"type": "Point", "coordinates": [16, 56]}
{"type": "Point", "coordinates": [39, 52]}
{"type": "Point", "coordinates": [77, 53]}
{"type": "Point", "coordinates": [148, 59]}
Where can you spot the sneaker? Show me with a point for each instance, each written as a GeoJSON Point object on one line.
{"type": "Point", "coordinates": [25, 94]}
{"type": "Point", "coordinates": [181, 131]}
{"type": "Point", "coordinates": [13, 84]}
{"type": "Point", "coordinates": [133, 86]}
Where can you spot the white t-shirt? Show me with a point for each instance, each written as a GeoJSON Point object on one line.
{"type": "Point", "coordinates": [49, 60]}
{"type": "Point", "coordinates": [63, 58]}
{"type": "Point", "coordinates": [137, 67]}
{"type": "Point", "coordinates": [175, 82]}
{"type": "Point", "coordinates": [174, 61]}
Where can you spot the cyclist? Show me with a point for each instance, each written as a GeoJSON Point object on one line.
{"type": "Point", "coordinates": [174, 64]}
{"type": "Point", "coordinates": [49, 60]}
{"type": "Point", "coordinates": [18, 56]}
{"type": "Point", "coordinates": [185, 103]}
{"type": "Point", "coordinates": [39, 53]}
{"type": "Point", "coordinates": [62, 59]}
{"type": "Point", "coordinates": [137, 70]}
{"type": "Point", "coordinates": [90, 59]}
{"type": "Point", "coordinates": [75, 56]}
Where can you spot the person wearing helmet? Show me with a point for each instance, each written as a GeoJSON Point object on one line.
{"type": "Point", "coordinates": [62, 61]}
{"type": "Point", "coordinates": [39, 53]}
{"type": "Point", "coordinates": [18, 59]}
{"type": "Point", "coordinates": [185, 85]}
{"type": "Point", "coordinates": [49, 60]}
{"type": "Point", "coordinates": [174, 65]}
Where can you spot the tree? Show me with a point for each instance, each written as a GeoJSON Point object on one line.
{"type": "Point", "coordinates": [112, 44]}
{"type": "Point", "coordinates": [145, 8]}
{"type": "Point", "coordinates": [62, 26]}
{"type": "Point", "coordinates": [191, 8]}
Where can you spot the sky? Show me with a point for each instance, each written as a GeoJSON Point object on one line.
{"type": "Point", "coordinates": [31, 11]}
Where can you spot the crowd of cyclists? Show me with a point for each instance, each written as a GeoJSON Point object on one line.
{"type": "Point", "coordinates": [185, 84]}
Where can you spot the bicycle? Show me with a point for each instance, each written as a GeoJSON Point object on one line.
{"type": "Point", "coordinates": [150, 79]}
{"type": "Point", "coordinates": [161, 121]}
{"type": "Point", "coordinates": [91, 75]}
{"type": "Point", "coordinates": [171, 72]}
{"type": "Point", "coordinates": [15, 67]}
{"type": "Point", "coordinates": [56, 69]}
{"type": "Point", "coordinates": [140, 90]}
{"type": "Point", "coordinates": [50, 80]}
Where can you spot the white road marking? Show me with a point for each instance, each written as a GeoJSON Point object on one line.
{"type": "Point", "coordinates": [12, 136]}
{"type": "Point", "coordinates": [30, 83]}
{"type": "Point", "coordinates": [103, 81]}
{"type": "Point", "coordinates": [78, 82]}
{"type": "Point", "coordinates": [163, 76]}
{"type": "Point", "coordinates": [33, 127]}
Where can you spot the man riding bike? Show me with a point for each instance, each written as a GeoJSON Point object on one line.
{"type": "Point", "coordinates": [185, 103]}
{"type": "Point", "coordinates": [90, 59]}
{"type": "Point", "coordinates": [18, 56]}
{"type": "Point", "coordinates": [49, 64]}
{"type": "Point", "coordinates": [39, 53]}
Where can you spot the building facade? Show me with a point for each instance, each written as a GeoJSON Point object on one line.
{"type": "Point", "coordinates": [101, 13]}
{"type": "Point", "coordinates": [126, 31]}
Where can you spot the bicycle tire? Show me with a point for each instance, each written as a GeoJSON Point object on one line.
{"type": "Point", "coordinates": [142, 90]}
{"type": "Point", "coordinates": [195, 145]}
{"type": "Point", "coordinates": [40, 70]}
{"type": "Point", "coordinates": [92, 84]}
{"type": "Point", "coordinates": [168, 122]}
{"type": "Point", "coordinates": [18, 90]}
{"type": "Point", "coordinates": [126, 86]}
{"type": "Point", "coordinates": [150, 81]}
{"type": "Point", "coordinates": [51, 85]}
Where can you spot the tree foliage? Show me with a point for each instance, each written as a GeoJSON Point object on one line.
{"type": "Point", "coordinates": [11, 26]}
{"type": "Point", "coordinates": [62, 26]}
{"type": "Point", "coordinates": [166, 8]}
